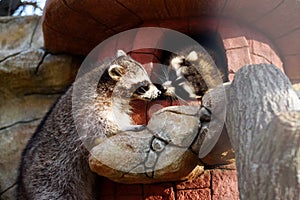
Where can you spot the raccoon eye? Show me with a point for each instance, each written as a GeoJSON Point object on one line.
{"type": "Point", "coordinates": [142, 89]}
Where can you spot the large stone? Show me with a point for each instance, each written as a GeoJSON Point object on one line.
{"type": "Point", "coordinates": [157, 154]}
{"type": "Point", "coordinates": [224, 185]}
{"type": "Point", "coordinates": [18, 34]}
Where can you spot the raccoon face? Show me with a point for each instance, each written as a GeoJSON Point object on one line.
{"type": "Point", "coordinates": [182, 64]}
{"type": "Point", "coordinates": [132, 78]}
{"type": "Point", "coordinates": [187, 80]}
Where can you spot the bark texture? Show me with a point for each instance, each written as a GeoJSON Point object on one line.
{"type": "Point", "coordinates": [264, 128]}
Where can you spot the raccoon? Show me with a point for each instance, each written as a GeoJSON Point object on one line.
{"type": "Point", "coordinates": [192, 72]}
{"type": "Point", "coordinates": [54, 164]}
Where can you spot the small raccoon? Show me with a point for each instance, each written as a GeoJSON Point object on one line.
{"type": "Point", "coordinates": [192, 73]}
{"type": "Point", "coordinates": [169, 84]}
{"type": "Point", "coordinates": [54, 164]}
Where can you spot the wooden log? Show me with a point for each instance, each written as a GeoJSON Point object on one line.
{"type": "Point", "coordinates": [264, 129]}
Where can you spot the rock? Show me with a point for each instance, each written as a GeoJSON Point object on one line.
{"type": "Point", "coordinates": [12, 141]}
{"type": "Point", "coordinates": [224, 185]}
{"type": "Point", "coordinates": [19, 34]}
{"type": "Point", "coordinates": [157, 154]}
{"type": "Point", "coordinates": [31, 81]}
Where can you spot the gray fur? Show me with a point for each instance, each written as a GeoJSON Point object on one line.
{"type": "Point", "coordinates": [54, 163]}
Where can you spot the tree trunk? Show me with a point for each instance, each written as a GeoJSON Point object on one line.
{"type": "Point", "coordinates": [264, 129]}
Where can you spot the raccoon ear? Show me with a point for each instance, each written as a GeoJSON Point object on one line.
{"type": "Point", "coordinates": [177, 62]}
{"type": "Point", "coordinates": [116, 72]}
{"type": "Point", "coordinates": [192, 56]}
{"type": "Point", "coordinates": [121, 53]}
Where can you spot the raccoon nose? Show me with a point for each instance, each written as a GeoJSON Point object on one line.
{"type": "Point", "coordinates": [161, 88]}
{"type": "Point", "coordinates": [158, 91]}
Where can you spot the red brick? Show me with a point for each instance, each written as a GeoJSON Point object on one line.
{"type": "Point", "coordinates": [130, 197]}
{"type": "Point", "coordinates": [263, 52]}
{"type": "Point", "coordinates": [195, 194]}
{"type": "Point", "coordinates": [246, 46]}
{"type": "Point", "coordinates": [237, 58]}
{"type": "Point", "coordinates": [235, 43]}
{"type": "Point", "coordinates": [107, 187]}
{"type": "Point", "coordinates": [258, 57]}
{"type": "Point", "coordinates": [261, 44]}
{"type": "Point", "coordinates": [130, 190]}
{"type": "Point", "coordinates": [201, 182]}
{"type": "Point", "coordinates": [224, 185]}
{"type": "Point", "coordinates": [163, 191]}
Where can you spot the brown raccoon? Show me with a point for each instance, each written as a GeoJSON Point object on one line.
{"type": "Point", "coordinates": [54, 163]}
{"type": "Point", "coordinates": [192, 72]}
